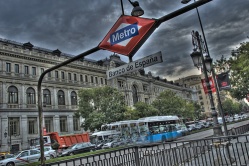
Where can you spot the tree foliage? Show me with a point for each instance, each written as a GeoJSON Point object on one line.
{"type": "Point", "coordinates": [168, 103]}
{"type": "Point", "coordinates": [99, 106]}
{"type": "Point", "coordinates": [239, 66]}
{"type": "Point", "coordinates": [230, 107]}
{"type": "Point", "coordinates": [145, 109]}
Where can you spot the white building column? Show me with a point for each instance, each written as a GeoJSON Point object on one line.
{"type": "Point", "coordinates": [24, 131]}
{"type": "Point", "coordinates": [54, 99]}
{"type": "Point", "coordinates": [56, 123]}
{"type": "Point", "coordinates": [70, 123]}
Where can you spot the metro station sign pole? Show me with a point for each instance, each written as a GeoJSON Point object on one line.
{"type": "Point", "coordinates": [139, 43]}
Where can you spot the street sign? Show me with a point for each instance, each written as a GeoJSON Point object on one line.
{"type": "Point", "coordinates": [126, 33]}
{"type": "Point", "coordinates": [135, 65]}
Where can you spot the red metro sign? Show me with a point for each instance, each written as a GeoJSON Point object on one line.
{"type": "Point", "coordinates": [125, 35]}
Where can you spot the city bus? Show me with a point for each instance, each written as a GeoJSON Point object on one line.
{"type": "Point", "coordinates": [148, 129]}
{"type": "Point", "coordinates": [162, 128]}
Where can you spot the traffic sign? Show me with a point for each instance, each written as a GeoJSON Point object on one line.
{"type": "Point", "coordinates": [126, 33]}
{"type": "Point", "coordinates": [135, 65]}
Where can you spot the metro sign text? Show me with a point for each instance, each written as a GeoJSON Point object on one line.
{"type": "Point", "coordinates": [124, 34]}
{"type": "Point", "coordinates": [127, 35]}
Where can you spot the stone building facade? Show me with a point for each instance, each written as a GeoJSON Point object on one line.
{"type": "Point", "coordinates": [20, 68]}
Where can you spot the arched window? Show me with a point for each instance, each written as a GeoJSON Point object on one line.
{"type": "Point", "coordinates": [46, 97]}
{"type": "Point", "coordinates": [30, 93]}
{"type": "Point", "coordinates": [61, 98]}
{"type": "Point", "coordinates": [73, 98]}
{"type": "Point", "coordinates": [13, 95]}
{"type": "Point", "coordinates": [134, 94]}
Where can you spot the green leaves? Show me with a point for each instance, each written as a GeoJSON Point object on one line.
{"type": "Point", "coordinates": [239, 66]}
{"type": "Point", "coordinates": [168, 103]}
{"type": "Point", "coordinates": [99, 106]}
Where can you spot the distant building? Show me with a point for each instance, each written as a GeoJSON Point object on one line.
{"type": "Point", "coordinates": [20, 68]}
{"type": "Point", "coordinates": [194, 81]}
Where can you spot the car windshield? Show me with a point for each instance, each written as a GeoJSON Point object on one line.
{"type": "Point", "coordinates": [74, 146]}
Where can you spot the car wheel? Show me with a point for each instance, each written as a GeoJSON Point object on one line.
{"type": "Point", "coordinates": [71, 154]}
{"type": "Point", "coordinates": [10, 164]}
{"type": "Point", "coordinates": [51, 156]}
{"type": "Point", "coordinates": [44, 159]}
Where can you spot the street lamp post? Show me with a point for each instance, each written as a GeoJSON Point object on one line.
{"type": "Point", "coordinates": [206, 65]}
{"type": "Point", "coordinates": [212, 70]}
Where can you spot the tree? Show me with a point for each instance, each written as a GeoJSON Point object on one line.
{"type": "Point", "coordinates": [168, 103]}
{"type": "Point", "coordinates": [240, 72]}
{"type": "Point", "coordinates": [230, 107]}
{"type": "Point", "coordinates": [99, 106]}
{"type": "Point", "coordinates": [145, 109]}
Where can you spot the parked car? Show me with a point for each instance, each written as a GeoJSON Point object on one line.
{"type": "Point", "coordinates": [244, 116]}
{"type": "Point", "coordinates": [109, 145]}
{"type": "Point", "coordinates": [182, 129]}
{"type": "Point", "coordinates": [78, 148]}
{"type": "Point", "coordinates": [23, 158]}
{"type": "Point", "coordinates": [198, 126]}
{"type": "Point", "coordinates": [48, 150]}
{"type": "Point", "coordinates": [191, 127]}
{"type": "Point", "coordinates": [100, 144]}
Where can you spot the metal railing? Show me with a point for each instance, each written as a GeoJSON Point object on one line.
{"type": "Point", "coordinates": [213, 151]}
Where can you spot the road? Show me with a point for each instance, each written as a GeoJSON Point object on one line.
{"type": "Point", "coordinates": [208, 133]}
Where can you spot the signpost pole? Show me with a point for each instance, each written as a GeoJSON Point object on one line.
{"type": "Point", "coordinates": [40, 111]}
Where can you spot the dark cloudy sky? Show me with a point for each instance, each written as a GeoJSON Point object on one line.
{"type": "Point", "coordinates": [75, 26]}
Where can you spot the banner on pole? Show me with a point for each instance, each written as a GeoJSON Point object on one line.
{"type": "Point", "coordinates": [223, 81]}
{"type": "Point", "coordinates": [211, 83]}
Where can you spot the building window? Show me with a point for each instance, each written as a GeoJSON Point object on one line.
{"type": "Point", "coordinates": [86, 78]}
{"type": "Point", "coordinates": [134, 94]}
{"type": "Point", "coordinates": [56, 74]}
{"type": "Point", "coordinates": [33, 71]}
{"type": "Point", "coordinates": [96, 80]}
{"type": "Point", "coordinates": [69, 76]}
{"type": "Point", "coordinates": [16, 68]}
{"type": "Point", "coordinates": [63, 124]}
{"type": "Point", "coordinates": [32, 126]}
{"type": "Point", "coordinates": [49, 74]}
{"type": "Point", "coordinates": [62, 75]}
{"type": "Point", "coordinates": [30, 96]}
{"type": "Point", "coordinates": [61, 98]}
{"type": "Point", "coordinates": [73, 98]}
{"type": "Point", "coordinates": [46, 97]}
{"type": "Point", "coordinates": [26, 69]}
{"type": "Point", "coordinates": [105, 82]}
{"type": "Point", "coordinates": [42, 70]}
{"type": "Point", "coordinates": [101, 80]}
{"type": "Point", "coordinates": [76, 124]}
{"type": "Point", "coordinates": [145, 87]}
{"type": "Point", "coordinates": [13, 126]}
{"type": "Point", "coordinates": [81, 78]}
{"type": "Point", "coordinates": [8, 67]}
{"type": "Point", "coordinates": [12, 95]}
{"type": "Point", "coordinates": [121, 84]}
{"type": "Point", "coordinates": [91, 79]}
{"type": "Point", "coordinates": [49, 124]}
{"type": "Point", "coordinates": [75, 77]}
{"type": "Point", "coordinates": [146, 100]}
